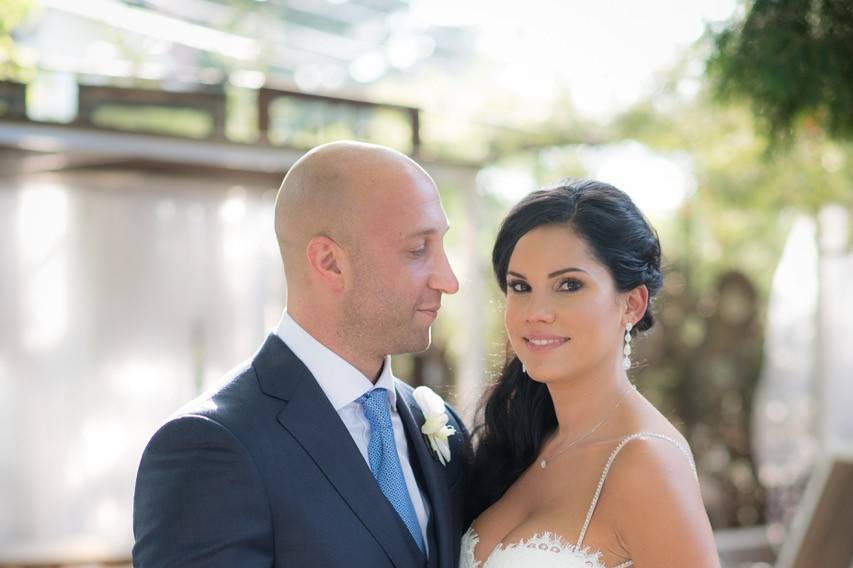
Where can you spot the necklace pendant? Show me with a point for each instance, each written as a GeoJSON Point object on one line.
{"type": "Point", "coordinates": [543, 463]}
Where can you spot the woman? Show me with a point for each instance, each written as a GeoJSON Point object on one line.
{"type": "Point", "coordinates": [574, 468]}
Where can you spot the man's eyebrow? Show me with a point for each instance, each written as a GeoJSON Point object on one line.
{"type": "Point", "coordinates": [551, 275]}
{"type": "Point", "coordinates": [428, 232]}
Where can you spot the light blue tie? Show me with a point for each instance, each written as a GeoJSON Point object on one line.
{"type": "Point", "coordinates": [384, 461]}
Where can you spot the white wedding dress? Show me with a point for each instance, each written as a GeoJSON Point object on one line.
{"type": "Point", "coordinates": [549, 550]}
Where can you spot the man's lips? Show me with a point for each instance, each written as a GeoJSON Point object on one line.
{"type": "Point", "coordinates": [543, 342]}
{"type": "Point", "coordinates": [431, 311]}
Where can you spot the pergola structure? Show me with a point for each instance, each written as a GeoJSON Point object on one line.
{"type": "Point", "coordinates": [111, 195]}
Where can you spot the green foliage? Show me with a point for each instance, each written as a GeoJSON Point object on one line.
{"type": "Point", "coordinates": [241, 116]}
{"type": "Point", "coordinates": [745, 197]}
{"type": "Point", "coordinates": [793, 60]}
{"type": "Point", "coordinates": [12, 14]}
{"type": "Point", "coordinates": [177, 122]}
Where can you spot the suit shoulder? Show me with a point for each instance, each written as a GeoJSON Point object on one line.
{"type": "Point", "coordinates": [214, 413]}
{"type": "Point", "coordinates": [192, 431]}
{"type": "Point", "coordinates": [238, 383]}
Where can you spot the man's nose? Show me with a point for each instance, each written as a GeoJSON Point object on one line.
{"type": "Point", "coordinates": [443, 279]}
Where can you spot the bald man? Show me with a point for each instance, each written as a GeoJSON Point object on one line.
{"type": "Point", "coordinates": [311, 454]}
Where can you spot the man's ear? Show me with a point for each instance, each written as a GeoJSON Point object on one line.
{"type": "Point", "coordinates": [327, 261]}
{"type": "Point", "coordinates": [636, 303]}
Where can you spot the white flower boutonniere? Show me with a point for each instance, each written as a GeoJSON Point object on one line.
{"type": "Point", "coordinates": [435, 428]}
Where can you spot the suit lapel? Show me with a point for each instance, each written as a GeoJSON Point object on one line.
{"type": "Point", "coordinates": [313, 422]}
{"type": "Point", "coordinates": [433, 475]}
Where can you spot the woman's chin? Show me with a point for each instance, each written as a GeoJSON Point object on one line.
{"type": "Point", "coordinates": [543, 374]}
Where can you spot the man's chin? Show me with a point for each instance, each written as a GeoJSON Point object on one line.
{"type": "Point", "coordinates": [427, 341]}
{"type": "Point", "coordinates": [417, 344]}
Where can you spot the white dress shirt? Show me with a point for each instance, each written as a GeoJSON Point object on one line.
{"type": "Point", "coordinates": [343, 385]}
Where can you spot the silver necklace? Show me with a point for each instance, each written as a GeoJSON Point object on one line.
{"type": "Point", "coordinates": [544, 463]}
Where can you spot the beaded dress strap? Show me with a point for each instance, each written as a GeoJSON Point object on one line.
{"type": "Point", "coordinates": [607, 467]}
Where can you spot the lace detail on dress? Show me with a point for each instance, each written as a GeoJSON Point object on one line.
{"type": "Point", "coordinates": [470, 540]}
{"type": "Point", "coordinates": [549, 550]}
{"type": "Point", "coordinates": [544, 550]}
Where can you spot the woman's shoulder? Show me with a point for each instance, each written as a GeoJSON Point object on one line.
{"type": "Point", "coordinates": [652, 465]}
{"type": "Point", "coordinates": [654, 488]}
{"type": "Point", "coordinates": [651, 448]}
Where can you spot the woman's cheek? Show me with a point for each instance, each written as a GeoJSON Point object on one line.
{"type": "Point", "coordinates": [514, 324]}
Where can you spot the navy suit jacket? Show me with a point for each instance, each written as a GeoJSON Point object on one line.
{"type": "Point", "coordinates": [263, 472]}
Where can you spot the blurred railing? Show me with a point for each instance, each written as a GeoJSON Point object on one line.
{"type": "Point", "coordinates": [284, 117]}
{"type": "Point", "coordinates": [93, 100]}
{"type": "Point", "coordinates": [268, 97]}
{"type": "Point", "coordinates": [81, 552]}
{"type": "Point", "coordinates": [745, 547]}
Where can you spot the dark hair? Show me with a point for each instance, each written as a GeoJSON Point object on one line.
{"type": "Point", "coordinates": [517, 412]}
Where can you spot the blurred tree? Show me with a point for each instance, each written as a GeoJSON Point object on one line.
{"type": "Point", "coordinates": [745, 196]}
{"type": "Point", "coordinates": [12, 14]}
{"type": "Point", "coordinates": [704, 361]}
{"type": "Point", "coordinates": [793, 59]}
{"type": "Point", "coordinates": [707, 357]}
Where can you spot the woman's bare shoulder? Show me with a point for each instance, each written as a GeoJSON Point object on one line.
{"type": "Point", "coordinates": [654, 486]}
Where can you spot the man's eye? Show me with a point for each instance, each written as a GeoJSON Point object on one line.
{"type": "Point", "coordinates": [518, 286]}
{"type": "Point", "coordinates": [418, 252]}
{"type": "Point", "coordinates": [571, 285]}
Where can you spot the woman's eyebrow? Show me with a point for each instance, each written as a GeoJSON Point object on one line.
{"type": "Point", "coordinates": [564, 270]}
{"type": "Point", "coordinates": [551, 275]}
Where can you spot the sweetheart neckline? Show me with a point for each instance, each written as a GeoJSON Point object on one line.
{"type": "Point", "coordinates": [543, 542]}
{"type": "Point", "coordinates": [562, 544]}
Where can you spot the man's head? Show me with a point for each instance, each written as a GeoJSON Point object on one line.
{"type": "Point", "coordinates": [361, 229]}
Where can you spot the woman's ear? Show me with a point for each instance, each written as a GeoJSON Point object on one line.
{"type": "Point", "coordinates": [636, 304]}
{"type": "Point", "coordinates": [327, 262]}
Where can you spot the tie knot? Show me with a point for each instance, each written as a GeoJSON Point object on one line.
{"type": "Point", "coordinates": [375, 405]}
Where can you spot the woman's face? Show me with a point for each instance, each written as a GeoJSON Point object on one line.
{"type": "Point", "coordinates": [564, 317]}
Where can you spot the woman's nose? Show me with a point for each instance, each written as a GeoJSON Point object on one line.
{"type": "Point", "coordinates": [540, 310]}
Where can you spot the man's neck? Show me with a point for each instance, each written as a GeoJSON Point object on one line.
{"type": "Point", "coordinates": [370, 367]}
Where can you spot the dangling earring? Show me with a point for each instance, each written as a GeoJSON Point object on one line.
{"type": "Point", "coordinates": [523, 369]}
{"type": "Point", "coordinates": [626, 351]}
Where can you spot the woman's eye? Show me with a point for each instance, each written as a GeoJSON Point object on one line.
{"type": "Point", "coordinates": [571, 285]}
{"type": "Point", "coordinates": [418, 252]}
{"type": "Point", "coordinates": [518, 286]}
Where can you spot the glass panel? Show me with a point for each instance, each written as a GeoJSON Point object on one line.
{"type": "Point", "coordinates": [123, 295]}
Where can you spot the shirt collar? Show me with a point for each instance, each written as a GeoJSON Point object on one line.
{"type": "Point", "coordinates": [340, 381]}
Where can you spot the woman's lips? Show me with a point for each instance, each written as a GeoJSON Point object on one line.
{"type": "Point", "coordinates": [539, 343]}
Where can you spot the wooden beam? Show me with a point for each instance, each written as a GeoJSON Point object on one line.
{"type": "Point", "coordinates": [820, 534]}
